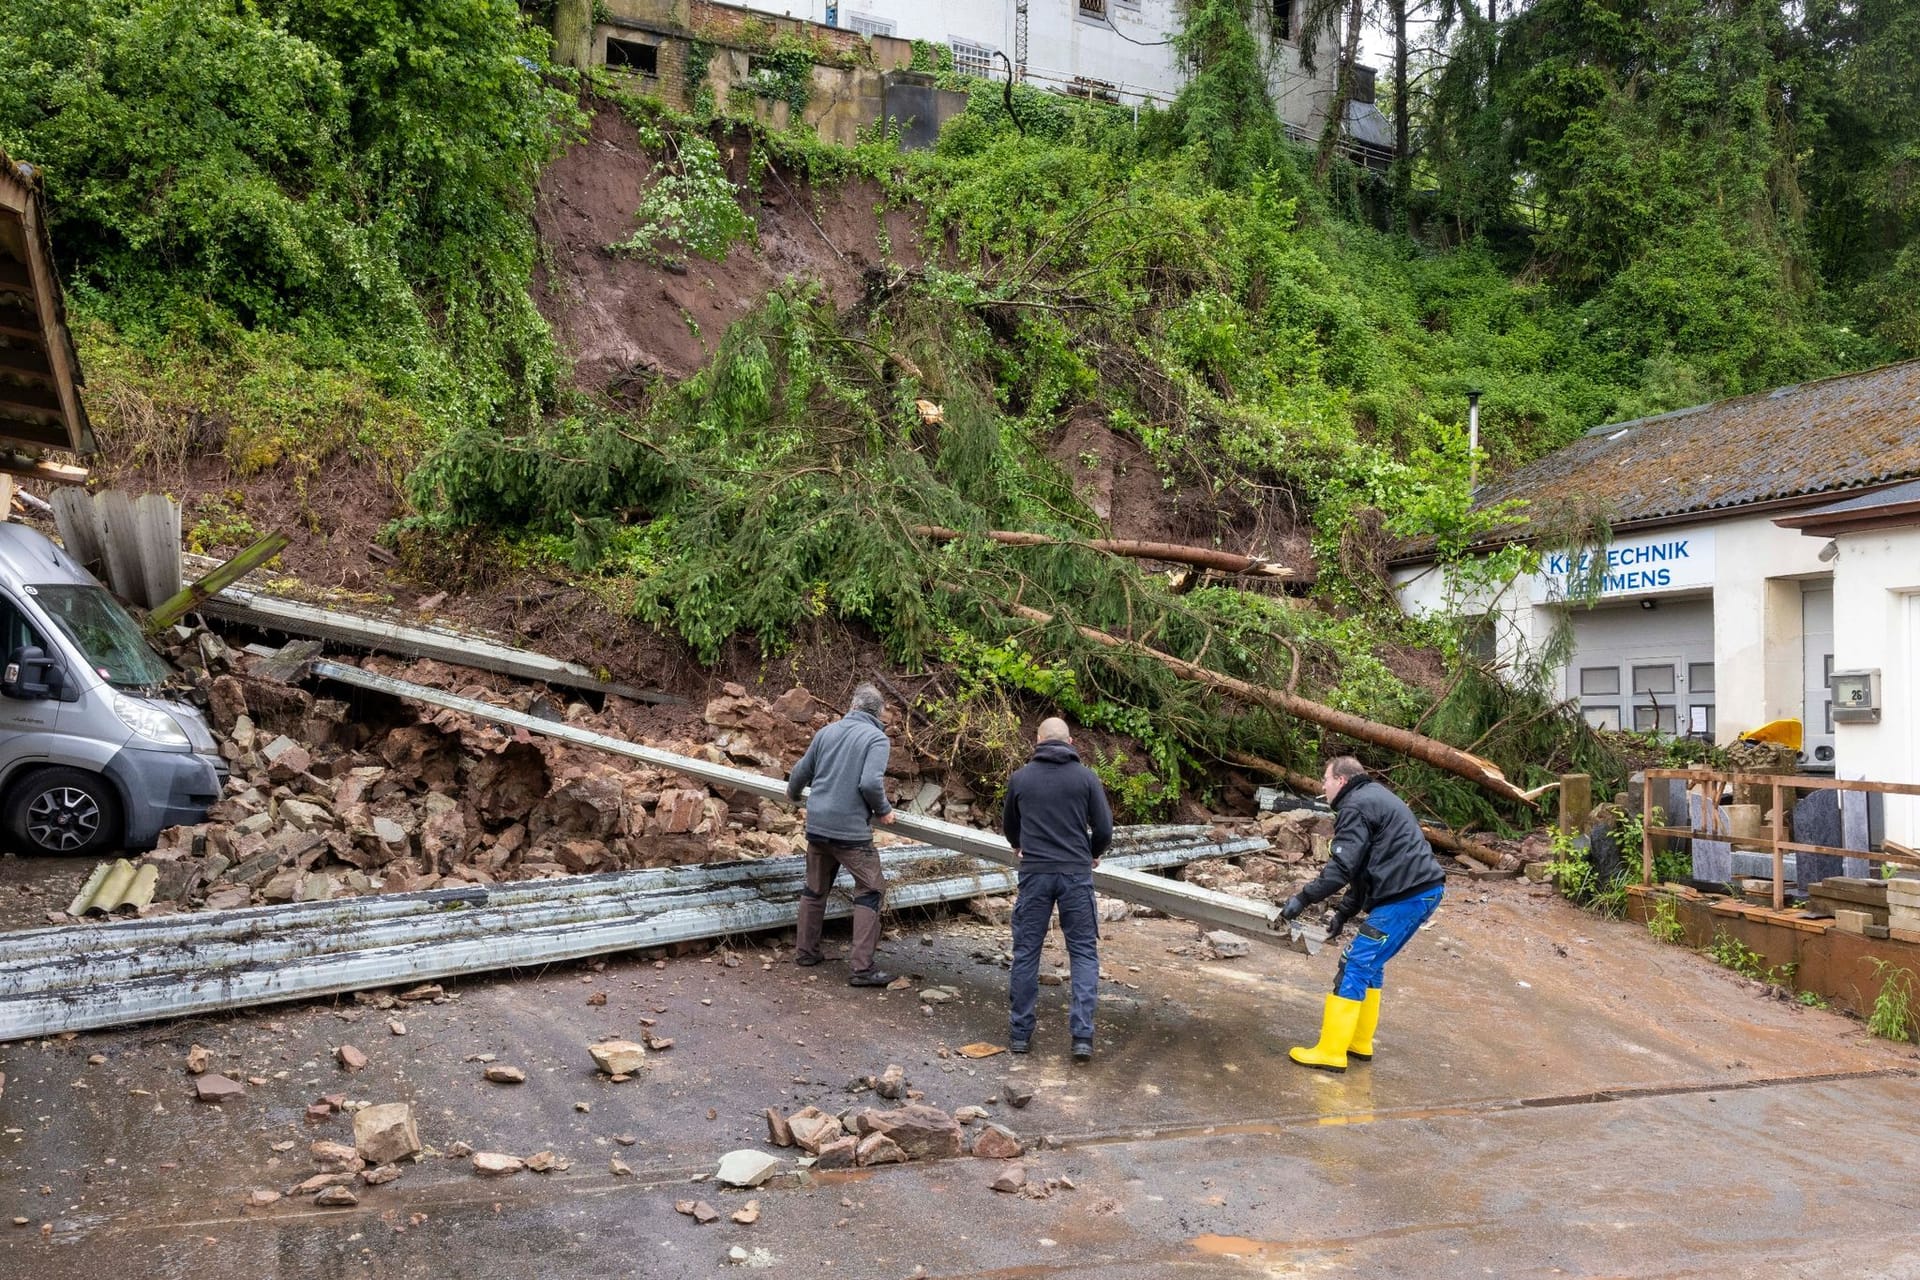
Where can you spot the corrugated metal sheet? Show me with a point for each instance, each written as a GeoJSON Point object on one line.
{"type": "Point", "coordinates": [115, 886]}
{"type": "Point", "coordinates": [1850, 432]}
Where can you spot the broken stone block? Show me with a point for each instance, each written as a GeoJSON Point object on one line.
{"type": "Point", "coordinates": [838, 1154]}
{"type": "Point", "coordinates": [337, 1198]}
{"type": "Point", "coordinates": [618, 1057]}
{"type": "Point", "coordinates": [197, 1060]}
{"type": "Point", "coordinates": [997, 1142]}
{"type": "Point", "coordinates": [541, 1162]}
{"type": "Point", "coordinates": [878, 1148]}
{"type": "Point", "coordinates": [385, 1133]}
{"type": "Point", "coordinates": [350, 1058]}
{"type": "Point", "coordinates": [500, 1074]}
{"type": "Point", "coordinates": [381, 1175]}
{"type": "Point", "coordinates": [813, 1129]}
{"type": "Point", "coordinates": [891, 1083]}
{"type": "Point", "coordinates": [580, 856]}
{"type": "Point", "coordinates": [745, 1168]}
{"type": "Point", "coordinates": [336, 1157]}
{"type": "Point", "coordinates": [921, 1131]}
{"type": "Point", "coordinates": [1011, 1179]}
{"type": "Point", "coordinates": [217, 1089]}
{"type": "Point", "coordinates": [1017, 1094]}
{"type": "Point", "coordinates": [304, 815]}
{"type": "Point", "coordinates": [494, 1165]}
{"type": "Point", "coordinates": [1227, 946]}
{"type": "Point", "coordinates": [286, 759]}
{"type": "Point", "coordinates": [261, 1197]}
{"type": "Point", "coordinates": [747, 1214]}
{"type": "Point", "coordinates": [703, 1213]}
{"type": "Point", "coordinates": [320, 1182]}
{"type": "Point", "coordinates": [619, 1168]}
{"type": "Point", "coordinates": [777, 1131]}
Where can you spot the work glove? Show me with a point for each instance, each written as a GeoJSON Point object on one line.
{"type": "Point", "coordinates": [1336, 922]}
{"type": "Point", "coordinates": [1293, 908]}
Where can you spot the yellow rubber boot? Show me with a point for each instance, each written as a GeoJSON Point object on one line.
{"type": "Point", "coordinates": [1336, 1033]}
{"type": "Point", "coordinates": [1362, 1046]}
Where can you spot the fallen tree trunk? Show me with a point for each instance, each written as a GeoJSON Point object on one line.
{"type": "Point", "coordinates": [1452, 841]}
{"type": "Point", "coordinates": [1404, 741]}
{"type": "Point", "coordinates": [1172, 552]}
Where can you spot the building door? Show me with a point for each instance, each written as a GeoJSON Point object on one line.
{"type": "Point", "coordinates": [1658, 696]}
{"type": "Point", "coordinates": [1816, 636]}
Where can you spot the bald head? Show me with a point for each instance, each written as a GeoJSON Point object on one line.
{"type": "Point", "coordinates": [1053, 729]}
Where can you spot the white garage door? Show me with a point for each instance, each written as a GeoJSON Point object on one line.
{"type": "Point", "coordinates": [1649, 670]}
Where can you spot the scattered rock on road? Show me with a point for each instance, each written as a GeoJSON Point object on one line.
{"type": "Point", "coordinates": [1012, 1179]}
{"type": "Point", "coordinates": [745, 1168]}
{"type": "Point", "coordinates": [351, 1059]}
{"type": "Point", "coordinates": [386, 1133]}
{"type": "Point", "coordinates": [506, 1075]}
{"type": "Point", "coordinates": [997, 1142]}
{"type": "Point", "coordinates": [217, 1089]}
{"type": "Point", "coordinates": [618, 1057]}
{"type": "Point", "coordinates": [495, 1165]}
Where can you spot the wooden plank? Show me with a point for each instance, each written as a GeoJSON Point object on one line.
{"type": "Point", "coordinates": [29, 401]}
{"type": "Point", "coordinates": [186, 600]}
{"type": "Point", "coordinates": [51, 472]}
{"type": "Point", "coordinates": [1791, 846]}
{"type": "Point", "coordinates": [1778, 830]}
{"type": "Point", "coordinates": [15, 278]}
{"type": "Point", "coordinates": [60, 352]}
{"type": "Point", "coordinates": [22, 363]}
{"type": "Point", "coordinates": [1793, 782]}
{"type": "Point", "coordinates": [1576, 803]}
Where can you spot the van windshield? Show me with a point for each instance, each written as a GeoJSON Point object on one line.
{"type": "Point", "coordinates": [101, 629]}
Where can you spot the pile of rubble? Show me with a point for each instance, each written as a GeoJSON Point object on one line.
{"type": "Point", "coordinates": [1301, 841]}
{"type": "Point", "coordinates": [327, 799]}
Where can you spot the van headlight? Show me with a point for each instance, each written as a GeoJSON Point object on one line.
{"type": "Point", "coordinates": [149, 721]}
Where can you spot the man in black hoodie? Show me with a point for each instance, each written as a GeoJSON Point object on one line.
{"type": "Point", "coordinates": [1057, 820]}
{"type": "Point", "coordinates": [1392, 877]}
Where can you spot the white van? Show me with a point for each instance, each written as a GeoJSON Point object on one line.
{"type": "Point", "coordinates": [93, 755]}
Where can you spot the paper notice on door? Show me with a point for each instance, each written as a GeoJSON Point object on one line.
{"type": "Point", "coordinates": [1696, 720]}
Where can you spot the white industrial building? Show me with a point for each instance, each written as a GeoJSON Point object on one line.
{"type": "Point", "coordinates": [1115, 49]}
{"type": "Point", "coordinates": [1764, 564]}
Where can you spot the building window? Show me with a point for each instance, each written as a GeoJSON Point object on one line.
{"type": "Point", "coordinates": [833, 15]}
{"type": "Point", "coordinates": [1602, 717]}
{"type": "Point", "coordinates": [971, 59]}
{"type": "Point", "coordinates": [1599, 681]}
{"type": "Point", "coordinates": [1653, 679]}
{"type": "Point", "coordinates": [1094, 9]}
{"type": "Point", "coordinates": [632, 55]}
{"type": "Point", "coordinates": [1700, 677]}
{"type": "Point", "coordinates": [1363, 89]}
{"type": "Point", "coordinates": [867, 26]}
{"type": "Point", "coordinates": [1283, 19]}
{"type": "Point", "coordinates": [1655, 720]}
{"type": "Point", "coordinates": [1481, 644]}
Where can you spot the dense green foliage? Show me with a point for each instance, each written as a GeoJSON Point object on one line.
{"type": "Point", "coordinates": [306, 223]}
{"type": "Point", "coordinates": [297, 191]}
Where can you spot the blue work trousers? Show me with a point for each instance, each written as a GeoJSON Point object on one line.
{"type": "Point", "coordinates": [1378, 939]}
{"type": "Point", "coordinates": [1040, 893]}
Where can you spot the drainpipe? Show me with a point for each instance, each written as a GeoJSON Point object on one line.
{"type": "Point", "coordinates": [1473, 441]}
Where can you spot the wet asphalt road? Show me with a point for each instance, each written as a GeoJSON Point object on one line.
{"type": "Point", "coordinates": [1622, 1109]}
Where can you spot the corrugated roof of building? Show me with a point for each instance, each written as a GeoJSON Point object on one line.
{"type": "Point", "coordinates": [1854, 431]}
{"type": "Point", "coordinates": [1899, 495]}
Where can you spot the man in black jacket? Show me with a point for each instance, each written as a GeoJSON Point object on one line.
{"type": "Point", "coordinates": [1057, 820]}
{"type": "Point", "coordinates": [1392, 877]}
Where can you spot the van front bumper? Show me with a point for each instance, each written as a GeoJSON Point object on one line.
{"type": "Point", "coordinates": [161, 789]}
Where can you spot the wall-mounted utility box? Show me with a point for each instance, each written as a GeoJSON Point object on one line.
{"type": "Point", "coordinates": [1856, 697]}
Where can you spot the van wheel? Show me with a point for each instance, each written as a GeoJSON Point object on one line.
{"type": "Point", "coordinates": [64, 811]}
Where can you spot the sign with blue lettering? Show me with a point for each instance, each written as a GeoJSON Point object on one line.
{"type": "Point", "coordinates": [1636, 566]}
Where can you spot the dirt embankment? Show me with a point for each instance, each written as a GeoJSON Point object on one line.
{"type": "Point", "coordinates": [622, 321]}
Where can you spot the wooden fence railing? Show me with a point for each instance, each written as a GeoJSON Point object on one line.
{"type": "Point", "coordinates": [1775, 839]}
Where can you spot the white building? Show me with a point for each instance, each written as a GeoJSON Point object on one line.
{"type": "Point", "coordinates": [1117, 49]}
{"type": "Point", "coordinates": [1765, 551]}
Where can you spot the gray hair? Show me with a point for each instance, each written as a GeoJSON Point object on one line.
{"type": "Point", "coordinates": [867, 698]}
{"type": "Point", "coordinates": [1344, 767]}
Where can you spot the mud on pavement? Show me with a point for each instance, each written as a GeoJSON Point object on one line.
{"type": "Point", "coordinates": [1553, 1094]}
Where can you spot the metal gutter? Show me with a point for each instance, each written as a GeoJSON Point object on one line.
{"type": "Point", "coordinates": [258, 609]}
{"type": "Point", "coordinates": [113, 959]}
{"type": "Point", "coordinates": [55, 995]}
{"type": "Point", "coordinates": [1173, 897]}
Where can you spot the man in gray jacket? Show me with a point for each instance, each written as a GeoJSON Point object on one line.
{"type": "Point", "coordinates": [846, 765]}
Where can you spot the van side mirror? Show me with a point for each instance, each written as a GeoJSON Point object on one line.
{"type": "Point", "coordinates": [31, 675]}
